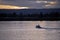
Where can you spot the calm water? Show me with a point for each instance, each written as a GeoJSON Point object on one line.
{"type": "Point", "coordinates": [26, 30]}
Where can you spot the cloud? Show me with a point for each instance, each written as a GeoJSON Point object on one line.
{"type": "Point", "coordinates": [30, 3]}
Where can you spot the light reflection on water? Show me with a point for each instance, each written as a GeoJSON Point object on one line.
{"type": "Point", "coordinates": [25, 30]}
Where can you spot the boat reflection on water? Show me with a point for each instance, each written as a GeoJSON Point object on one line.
{"type": "Point", "coordinates": [39, 27]}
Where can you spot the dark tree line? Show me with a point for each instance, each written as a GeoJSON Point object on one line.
{"type": "Point", "coordinates": [37, 15]}
{"type": "Point", "coordinates": [52, 14]}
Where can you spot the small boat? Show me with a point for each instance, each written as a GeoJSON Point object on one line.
{"type": "Point", "coordinates": [38, 26]}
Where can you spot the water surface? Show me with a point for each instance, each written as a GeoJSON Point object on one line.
{"type": "Point", "coordinates": [26, 30]}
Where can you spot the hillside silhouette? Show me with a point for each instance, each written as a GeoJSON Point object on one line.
{"type": "Point", "coordinates": [29, 14]}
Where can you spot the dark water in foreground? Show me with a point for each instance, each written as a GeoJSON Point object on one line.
{"type": "Point", "coordinates": [26, 30]}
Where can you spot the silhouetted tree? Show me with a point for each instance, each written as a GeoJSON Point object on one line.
{"type": "Point", "coordinates": [14, 14]}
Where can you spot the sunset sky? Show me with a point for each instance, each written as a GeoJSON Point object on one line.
{"type": "Point", "coordinates": [31, 3]}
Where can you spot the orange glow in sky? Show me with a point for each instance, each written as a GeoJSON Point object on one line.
{"type": "Point", "coordinates": [52, 3]}
{"type": "Point", "coordinates": [12, 7]}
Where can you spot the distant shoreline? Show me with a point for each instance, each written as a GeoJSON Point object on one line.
{"type": "Point", "coordinates": [52, 14]}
